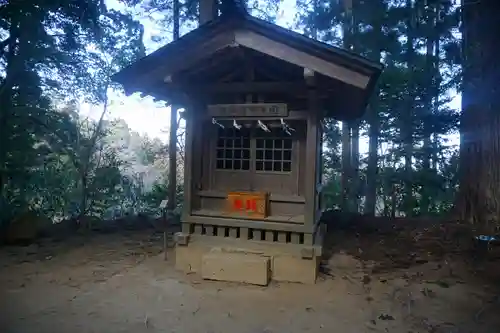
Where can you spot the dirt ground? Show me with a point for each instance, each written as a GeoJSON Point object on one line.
{"type": "Point", "coordinates": [121, 283]}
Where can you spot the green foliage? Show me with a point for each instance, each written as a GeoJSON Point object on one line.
{"type": "Point", "coordinates": [57, 54]}
{"type": "Point", "coordinates": [152, 199]}
{"type": "Point", "coordinates": [160, 12]}
{"type": "Point", "coordinates": [52, 51]}
{"type": "Point", "coordinates": [410, 104]}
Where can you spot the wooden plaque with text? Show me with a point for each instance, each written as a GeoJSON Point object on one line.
{"type": "Point", "coordinates": [248, 204]}
{"type": "Point", "coordinates": [257, 110]}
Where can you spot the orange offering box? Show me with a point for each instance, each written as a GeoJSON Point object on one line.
{"type": "Point", "coordinates": [248, 204]}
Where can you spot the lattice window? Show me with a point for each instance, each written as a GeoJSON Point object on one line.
{"type": "Point", "coordinates": [233, 149]}
{"type": "Point", "coordinates": [273, 152]}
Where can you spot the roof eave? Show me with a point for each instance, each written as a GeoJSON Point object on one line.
{"type": "Point", "coordinates": [358, 61]}
{"type": "Point", "coordinates": [206, 30]}
{"type": "Point", "coordinates": [128, 77]}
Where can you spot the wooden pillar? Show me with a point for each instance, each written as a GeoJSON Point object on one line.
{"type": "Point", "coordinates": [208, 11]}
{"type": "Point", "coordinates": [312, 142]}
{"type": "Point", "coordinates": [188, 165]}
{"type": "Point", "coordinates": [172, 142]}
{"type": "Point", "coordinates": [172, 158]}
{"type": "Point", "coordinates": [319, 167]}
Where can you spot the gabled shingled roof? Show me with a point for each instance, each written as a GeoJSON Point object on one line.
{"type": "Point", "coordinates": [233, 19]}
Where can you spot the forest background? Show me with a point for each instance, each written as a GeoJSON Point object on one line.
{"type": "Point", "coordinates": [73, 145]}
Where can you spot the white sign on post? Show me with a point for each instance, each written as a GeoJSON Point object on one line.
{"type": "Point", "coordinates": [163, 204]}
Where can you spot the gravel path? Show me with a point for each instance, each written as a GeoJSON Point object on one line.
{"type": "Point", "coordinates": [107, 286]}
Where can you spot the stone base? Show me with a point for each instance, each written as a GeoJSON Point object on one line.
{"type": "Point", "coordinates": [293, 269]}
{"type": "Point", "coordinates": [254, 262]}
{"type": "Point", "coordinates": [235, 267]}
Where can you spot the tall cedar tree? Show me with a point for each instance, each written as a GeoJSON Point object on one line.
{"type": "Point", "coordinates": [480, 124]}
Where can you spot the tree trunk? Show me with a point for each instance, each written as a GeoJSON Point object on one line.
{"type": "Point", "coordinates": [87, 158]}
{"type": "Point", "coordinates": [355, 183]}
{"type": "Point", "coordinates": [394, 201]}
{"type": "Point", "coordinates": [426, 192]}
{"type": "Point", "coordinates": [347, 148]}
{"type": "Point", "coordinates": [373, 134]}
{"type": "Point", "coordinates": [480, 123]}
{"type": "Point", "coordinates": [13, 63]}
{"type": "Point", "coordinates": [436, 89]}
{"type": "Point", "coordinates": [346, 167]}
{"type": "Point", "coordinates": [208, 11]}
{"type": "Point", "coordinates": [371, 172]}
{"type": "Point", "coordinates": [407, 125]}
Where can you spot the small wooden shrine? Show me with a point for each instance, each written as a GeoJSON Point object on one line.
{"type": "Point", "coordinates": [255, 95]}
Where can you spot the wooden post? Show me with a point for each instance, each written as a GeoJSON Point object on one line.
{"type": "Point", "coordinates": [312, 141]}
{"type": "Point", "coordinates": [172, 142]}
{"type": "Point", "coordinates": [191, 127]}
{"type": "Point", "coordinates": [165, 240]}
{"type": "Point", "coordinates": [172, 159]}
